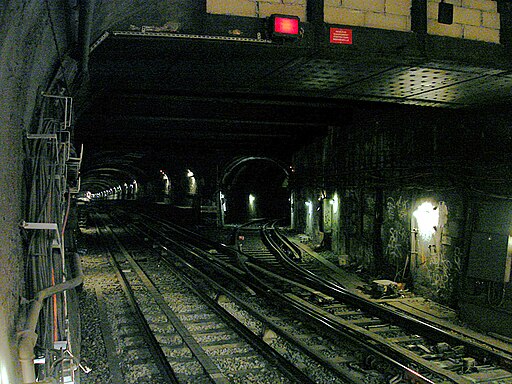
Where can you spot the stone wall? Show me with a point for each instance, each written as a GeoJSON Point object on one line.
{"type": "Point", "coordinates": [257, 8]}
{"type": "Point", "coordinates": [379, 170]}
{"type": "Point", "coordinates": [472, 20]}
{"type": "Point", "coordinates": [177, 15]}
{"type": "Point", "coordinates": [384, 14]}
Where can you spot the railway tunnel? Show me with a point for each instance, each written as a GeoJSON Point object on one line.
{"type": "Point", "coordinates": [380, 129]}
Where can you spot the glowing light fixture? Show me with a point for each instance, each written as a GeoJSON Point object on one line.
{"type": "Point", "coordinates": [190, 173]}
{"type": "Point", "coordinates": [309, 204]}
{"type": "Point", "coordinates": [4, 379]}
{"type": "Point", "coordinates": [335, 203]}
{"type": "Point", "coordinates": [222, 201]}
{"type": "Point", "coordinates": [427, 218]}
{"type": "Point", "coordinates": [284, 26]}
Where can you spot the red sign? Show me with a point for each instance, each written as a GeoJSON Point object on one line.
{"type": "Point", "coordinates": [341, 36]}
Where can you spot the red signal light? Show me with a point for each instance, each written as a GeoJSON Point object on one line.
{"type": "Point", "coordinates": [284, 26]}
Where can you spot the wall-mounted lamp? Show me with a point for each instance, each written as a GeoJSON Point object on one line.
{"type": "Point", "coordinates": [309, 204]}
{"type": "Point", "coordinates": [427, 218]}
{"type": "Point", "coordinates": [335, 203]}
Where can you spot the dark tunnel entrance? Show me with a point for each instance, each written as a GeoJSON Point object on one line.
{"type": "Point", "coordinates": [255, 188]}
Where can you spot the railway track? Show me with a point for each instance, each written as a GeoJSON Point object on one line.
{"type": "Point", "coordinates": [321, 360]}
{"type": "Point", "coordinates": [440, 354]}
{"type": "Point", "coordinates": [185, 338]}
{"type": "Point", "coordinates": [437, 354]}
{"type": "Point", "coordinates": [390, 345]}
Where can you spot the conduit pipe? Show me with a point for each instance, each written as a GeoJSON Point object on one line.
{"type": "Point", "coordinates": [85, 17]}
{"type": "Point", "coordinates": [28, 337]}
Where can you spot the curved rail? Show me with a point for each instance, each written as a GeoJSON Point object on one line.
{"type": "Point", "coordinates": [280, 283]}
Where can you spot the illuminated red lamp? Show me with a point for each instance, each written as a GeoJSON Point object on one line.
{"type": "Point", "coordinates": [284, 26]}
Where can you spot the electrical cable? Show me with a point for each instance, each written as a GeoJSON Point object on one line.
{"type": "Point", "coordinates": [48, 203]}
{"type": "Point", "coordinates": [55, 41]}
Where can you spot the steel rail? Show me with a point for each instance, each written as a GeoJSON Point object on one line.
{"type": "Point", "coordinates": [429, 331]}
{"type": "Point", "coordinates": [421, 327]}
{"type": "Point", "coordinates": [160, 359]}
{"type": "Point", "coordinates": [257, 284]}
{"type": "Point", "coordinates": [206, 362]}
{"type": "Point", "coordinates": [291, 370]}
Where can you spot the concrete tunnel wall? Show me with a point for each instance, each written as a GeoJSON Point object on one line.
{"type": "Point", "coordinates": [379, 169]}
{"type": "Point", "coordinates": [36, 37]}
{"type": "Point", "coordinates": [28, 58]}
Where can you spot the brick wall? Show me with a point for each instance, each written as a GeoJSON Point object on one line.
{"type": "Point", "coordinates": [384, 14]}
{"type": "Point", "coordinates": [257, 8]}
{"type": "Point", "coordinates": [472, 19]}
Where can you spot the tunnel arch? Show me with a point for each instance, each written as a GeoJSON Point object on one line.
{"type": "Point", "coordinates": [100, 179]}
{"type": "Point", "coordinates": [237, 162]}
{"type": "Point", "coordinates": [253, 186]}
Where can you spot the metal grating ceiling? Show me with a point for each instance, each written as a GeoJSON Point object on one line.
{"type": "Point", "coordinates": [486, 90]}
{"type": "Point", "coordinates": [321, 75]}
{"type": "Point", "coordinates": [407, 82]}
{"type": "Point", "coordinates": [170, 65]}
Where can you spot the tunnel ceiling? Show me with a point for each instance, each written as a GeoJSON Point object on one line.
{"type": "Point", "coordinates": [198, 95]}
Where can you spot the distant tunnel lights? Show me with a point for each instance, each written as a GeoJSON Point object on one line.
{"type": "Point", "coordinates": [284, 26]}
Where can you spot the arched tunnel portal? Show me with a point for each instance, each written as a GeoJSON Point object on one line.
{"type": "Point", "coordinates": [254, 187]}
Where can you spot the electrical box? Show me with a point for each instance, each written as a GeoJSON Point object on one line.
{"type": "Point", "coordinates": [489, 257]}
{"type": "Point", "coordinates": [490, 254]}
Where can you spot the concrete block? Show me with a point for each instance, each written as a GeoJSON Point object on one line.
{"type": "Point", "coordinates": [432, 9]}
{"type": "Point", "coordinates": [450, 30]}
{"type": "Point", "coordinates": [266, 9]}
{"type": "Point", "coordinates": [332, 3]}
{"type": "Point", "coordinates": [483, 5]}
{"type": "Point", "coordinates": [232, 7]}
{"type": "Point", "coordinates": [386, 21]}
{"type": "Point", "coordinates": [365, 5]}
{"type": "Point", "coordinates": [491, 20]}
{"type": "Point", "coordinates": [467, 16]}
{"type": "Point", "coordinates": [292, 2]}
{"type": "Point", "coordinates": [482, 34]}
{"type": "Point", "coordinates": [398, 7]}
{"type": "Point", "coordinates": [334, 15]}
{"type": "Point", "coordinates": [435, 3]}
